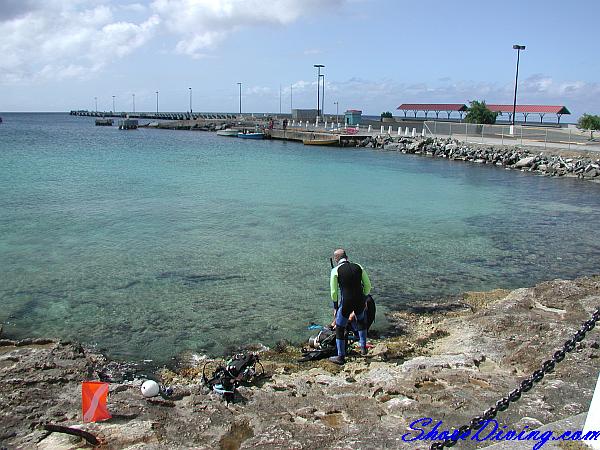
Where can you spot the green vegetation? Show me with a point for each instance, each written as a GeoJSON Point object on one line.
{"type": "Point", "coordinates": [479, 113]}
{"type": "Point", "coordinates": [589, 122]}
{"type": "Point", "coordinates": [386, 114]}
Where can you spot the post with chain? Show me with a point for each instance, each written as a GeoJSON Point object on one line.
{"type": "Point", "coordinates": [526, 385]}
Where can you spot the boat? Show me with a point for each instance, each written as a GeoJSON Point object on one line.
{"type": "Point", "coordinates": [228, 132]}
{"type": "Point", "coordinates": [320, 142]}
{"type": "Point", "coordinates": [251, 135]}
{"type": "Point", "coordinates": [104, 122]}
{"type": "Point", "coordinates": [0, 119]}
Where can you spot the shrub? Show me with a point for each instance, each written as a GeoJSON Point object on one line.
{"type": "Point", "coordinates": [479, 113]}
{"type": "Point", "coordinates": [589, 122]}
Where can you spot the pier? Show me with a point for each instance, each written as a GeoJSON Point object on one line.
{"type": "Point", "coordinates": [155, 116]}
{"type": "Point", "coordinates": [302, 135]}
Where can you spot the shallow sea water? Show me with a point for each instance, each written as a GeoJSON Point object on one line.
{"type": "Point", "coordinates": [148, 243]}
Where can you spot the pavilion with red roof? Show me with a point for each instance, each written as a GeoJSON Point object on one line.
{"type": "Point", "coordinates": [461, 108]}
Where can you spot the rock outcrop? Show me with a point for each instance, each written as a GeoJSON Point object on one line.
{"type": "Point", "coordinates": [448, 364]}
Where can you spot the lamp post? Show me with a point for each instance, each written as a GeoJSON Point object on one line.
{"type": "Point", "coordinates": [337, 111]}
{"type": "Point", "coordinates": [323, 97]}
{"type": "Point", "coordinates": [280, 99]}
{"type": "Point", "coordinates": [114, 111]}
{"type": "Point", "coordinates": [96, 102]}
{"type": "Point", "coordinates": [318, 66]}
{"type": "Point", "coordinates": [518, 48]}
{"type": "Point", "coordinates": [291, 98]}
{"type": "Point", "coordinates": [190, 101]}
{"type": "Point", "coordinates": [156, 102]}
{"type": "Point", "coordinates": [240, 85]}
{"type": "Point", "coordinates": [133, 97]}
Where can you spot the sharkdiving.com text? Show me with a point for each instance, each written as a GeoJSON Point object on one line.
{"type": "Point", "coordinates": [421, 430]}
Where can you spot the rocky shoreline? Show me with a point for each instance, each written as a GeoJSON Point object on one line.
{"type": "Point", "coordinates": [578, 164]}
{"type": "Point", "coordinates": [447, 362]}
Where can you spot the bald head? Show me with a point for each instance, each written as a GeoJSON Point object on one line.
{"type": "Point", "coordinates": [339, 254]}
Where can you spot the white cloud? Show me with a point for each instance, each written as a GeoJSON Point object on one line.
{"type": "Point", "coordinates": [58, 39]}
{"type": "Point", "coordinates": [61, 39]}
{"type": "Point", "coordinates": [202, 24]}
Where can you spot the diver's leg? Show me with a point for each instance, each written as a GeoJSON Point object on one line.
{"type": "Point", "coordinates": [341, 321]}
{"type": "Point", "coordinates": [361, 324]}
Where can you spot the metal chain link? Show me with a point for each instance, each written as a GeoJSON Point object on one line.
{"type": "Point", "coordinates": [526, 385]}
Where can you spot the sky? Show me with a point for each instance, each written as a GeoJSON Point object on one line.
{"type": "Point", "coordinates": [58, 55]}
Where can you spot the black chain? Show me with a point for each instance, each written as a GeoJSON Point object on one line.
{"type": "Point", "coordinates": [526, 385]}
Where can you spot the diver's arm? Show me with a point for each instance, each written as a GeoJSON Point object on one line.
{"type": "Point", "coordinates": [365, 282]}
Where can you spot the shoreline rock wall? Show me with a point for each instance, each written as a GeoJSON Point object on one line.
{"type": "Point", "coordinates": [531, 160]}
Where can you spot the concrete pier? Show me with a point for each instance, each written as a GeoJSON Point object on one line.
{"type": "Point", "coordinates": [301, 135]}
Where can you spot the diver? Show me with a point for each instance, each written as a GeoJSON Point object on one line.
{"type": "Point", "coordinates": [349, 285]}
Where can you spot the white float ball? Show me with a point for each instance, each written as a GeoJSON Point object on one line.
{"type": "Point", "coordinates": [150, 388]}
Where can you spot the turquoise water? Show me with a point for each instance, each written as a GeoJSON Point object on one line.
{"type": "Point", "coordinates": [148, 243]}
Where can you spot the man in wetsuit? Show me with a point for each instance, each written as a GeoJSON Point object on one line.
{"type": "Point", "coordinates": [349, 285]}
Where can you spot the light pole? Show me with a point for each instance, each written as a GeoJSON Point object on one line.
{"type": "Point", "coordinates": [337, 111]}
{"type": "Point", "coordinates": [96, 102]}
{"type": "Point", "coordinates": [318, 66]}
{"type": "Point", "coordinates": [280, 99]}
{"type": "Point", "coordinates": [114, 111]}
{"type": "Point", "coordinates": [190, 101]}
{"type": "Point", "coordinates": [156, 102]}
{"type": "Point", "coordinates": [240, 85]}
{"type": "Point", "coordinates": [323, 97]}
{"type": "Point", "coordinates": [133, 97]}
{"type": "Point", "coordinates": [291, 98]}
{"type": "Point", "coordinates": [518, 48]}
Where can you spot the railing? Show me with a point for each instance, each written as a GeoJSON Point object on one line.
{"type": "Point", "coordinates": [544, 137]}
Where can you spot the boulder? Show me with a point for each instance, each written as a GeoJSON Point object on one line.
{"type": "Point", "coordinates": [525, 162]}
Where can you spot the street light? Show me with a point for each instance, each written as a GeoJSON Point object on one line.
{"type": "Point", "coordinates": [323, 97]}
{"type": "Point", "coordinates": [133, 96]}
{"type": "Point", "coordinates": [318, 66]}
{"type": "Point", "coordinates": [518, 48]}
{"type": "Point", "coordinates": [96, 101]}
{"type": "Point", "coordinates": [156, 102]}
{"type": "Point", "coordinates": [190, 101]}
{"type": "Point", "coordinates": [280, 99]}
{"type": "Point", "coordinates": [240, 85]}
{"type": "Point", "coordinates": [113, 104]}
{"type": "Point", "coordinates": [337, 111]}
{"type": "Point", "coordinates": [291, 98]}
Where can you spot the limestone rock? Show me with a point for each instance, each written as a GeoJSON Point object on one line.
{"type": "Point", "coordinates": [525, 162]}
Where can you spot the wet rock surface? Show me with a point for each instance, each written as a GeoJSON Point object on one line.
{"type": "Point", "coordinates": [449, 364]}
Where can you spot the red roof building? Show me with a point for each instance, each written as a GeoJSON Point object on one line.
{"type": "Point", "coordinates": [437, 108]}
{"type": "Point", "coordinates": [542, 110]}
{"type": "Point", "coordinates": [460, 108]}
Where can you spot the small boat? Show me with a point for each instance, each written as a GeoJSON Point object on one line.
{"type": "Point", "coordinates": [0, 119]}
{"type": "Point", "coordinates": [104, 122]}
{"type": "Point", "coordinates": [251, 135]}
{"type": "Point", "coordinates": [228, 132]}
{"type": "Point", "coordinates": [320, 142]}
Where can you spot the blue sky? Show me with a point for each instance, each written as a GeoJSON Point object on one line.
{"type": "Point", "coordinates": [60, 54]}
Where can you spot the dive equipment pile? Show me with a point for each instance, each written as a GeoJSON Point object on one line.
{"type": "Point", "coordinates": [241, 368]}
